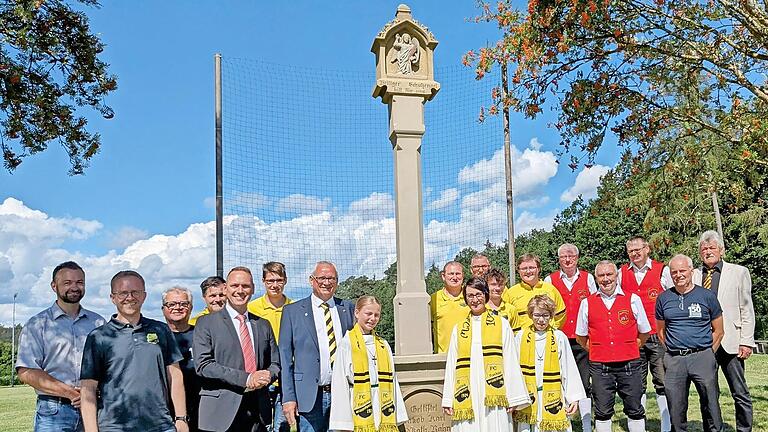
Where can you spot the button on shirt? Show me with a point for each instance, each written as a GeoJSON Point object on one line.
{"type": "Point", "coordinates": [318, 314]}
{"type": "Point", "coordinates": [666, 277]}
{"type": "Point", "coordinates": [582, 323]}
{"type": "Point", "coordinates": [53, 342]}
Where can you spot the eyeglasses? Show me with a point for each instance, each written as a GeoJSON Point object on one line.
{"type": "Point", "coordinates": [325, 279]}
{"type": "Point", "coordinates": [480, 296]}
{"type": "Point", "coordinates": [179, 304]}
{"type": "Point", "coordinates": [274, 281]}
{"type": "Point", "coordinates": [124, 294]}
{"type": "Point", "coordinates": [682, 306]}
{"type": "Point", "coordinates": [529, 268]}
{"type": "Point", "coordinates": [541, 316]}
{"type": "Point", "coordinates": [480, 266]}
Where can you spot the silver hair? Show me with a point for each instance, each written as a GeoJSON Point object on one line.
{"type": "Point", "coordinates": [325, 263]}
{"type": "Point", "coordinates": [177, 289]}
{"type": "Point", "coordinates": [568, 246]}
{"type": "Point", "coordinates": [688, 259]}
{"type": "Point", "coordinates": [711, 237]}
{"type": "Point", "coordinates": [607, 262]}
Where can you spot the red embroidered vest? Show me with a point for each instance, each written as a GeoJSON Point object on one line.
{"type": "Point", "coordinates": [612, 333]}
{"type": "Point", "coordinates": [572, 299]}
{"type": "Point", "coordinates": [648, 290]}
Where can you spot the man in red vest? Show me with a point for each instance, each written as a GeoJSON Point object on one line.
{"type": "Point", "coordinates": [611, 326]}
{"type": "Point", "coordinates": [648, 279]}
{"type": "Point", "coordinates": [574, 286]}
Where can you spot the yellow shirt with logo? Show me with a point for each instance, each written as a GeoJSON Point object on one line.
{"type": "Point", "coordinates": [508, 311]}
{"type": "Point", "coordinates": [520, 294]}
{"type": "Point", "coordinates": [261, 307]}
{"type": "Point", "coordinates": [446, 312]}
{"type": "Point", "coordinates": [193, 320]}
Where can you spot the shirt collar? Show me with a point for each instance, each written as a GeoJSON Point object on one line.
{"type": "Point", "coordinates": [57, 312]}
{"type": "Point", "coordinates": [718, 267]}
{"type": "Point", "coordinates": [121, 325]}
{"type": "Point", "coordinates": [617, 292]}
{"type": "Point", "coordinates": [316, 301]}
{"type": "Point", "coordinates": [539, 284]}
{"type": "Point", "coordinates": [232, 312]}
{"type": "Point", "coordinates": [266, 304]}
{"type": "Point", "coordinates": [646, 266]}
{"type": "Point", "coordinates": [565, 276]}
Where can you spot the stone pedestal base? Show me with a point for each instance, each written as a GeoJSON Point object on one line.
{"type": "Point", "coordinates": [421, 381]}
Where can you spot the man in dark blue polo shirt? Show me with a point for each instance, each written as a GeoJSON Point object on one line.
{"type": "Point", "coordinates": [690, 325]}
{"type": "Point", "coordinates": [129, 365]}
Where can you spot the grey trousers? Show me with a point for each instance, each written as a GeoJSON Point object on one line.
{"type": "Point", "coordinates": [733, 370]}
{"type": "Point", "coordinates": [701, 369]}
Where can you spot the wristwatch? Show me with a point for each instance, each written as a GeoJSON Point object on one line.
{"type": "Point", "coordinates": [185, 418]}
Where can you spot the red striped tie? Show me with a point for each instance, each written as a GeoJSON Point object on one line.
{"type": "Point", "coordinates": [249, 356]}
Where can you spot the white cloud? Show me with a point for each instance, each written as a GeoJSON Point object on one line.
{"type": "Point", "coordinates": [586, 184]}
{"type": "Point", "coordinates": [360, 239]}
{"type": "Point", "coordinates": [447, 198]}
{"type": "Point", "coordinates": [125, 236]}
{"type": "Point", "coordinates": [535, 144]}
{"type": "Point", "coordinates": [302, 204]}
{"type": "Point", "coordinates": [528, 221]}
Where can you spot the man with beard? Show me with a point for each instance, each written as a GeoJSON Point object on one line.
{"type": "Point", "coordinates": [50, 350]}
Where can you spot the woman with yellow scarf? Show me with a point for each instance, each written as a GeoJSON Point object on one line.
{"type": "Point", "coordinates": [550, 372]}
{"type": "Point", "coordinates": [483, 383]}
{"type": "Point", "coordinates": [364, 390]}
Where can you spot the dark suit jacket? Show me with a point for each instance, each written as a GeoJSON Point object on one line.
{"type": "Point", "coordinates": [300, 353]}
{"type": "Point", "coordinates": [220, 365]}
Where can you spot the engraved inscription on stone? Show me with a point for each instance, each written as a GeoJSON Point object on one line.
{"type": "Point", "coordinates": [425, 413]}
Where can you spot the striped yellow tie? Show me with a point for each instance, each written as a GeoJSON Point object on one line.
{"type": "Point", "coordinates": [329, 330]}
{"type": "Point", "coordinates": [708, 278]}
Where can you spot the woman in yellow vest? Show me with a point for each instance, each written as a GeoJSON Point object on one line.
{"type": "Point", "coordinates": [364, 390]}
{"type": "Point", "coordinates": [551, 375]}
{"type": "Point", "coordinates": [483, 383]}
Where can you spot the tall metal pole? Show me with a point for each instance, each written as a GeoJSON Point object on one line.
{"type": "Point", "coordinates": [219, 171]}
{"type": "Point", "coordinates": [508, 174]}
{"type": "Point", "coordinates": [719, 221]}
{"type": "Point", "coordinates": [13, 340]}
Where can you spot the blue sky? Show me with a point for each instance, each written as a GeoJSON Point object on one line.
{"type": "Point", "coordinates": [146, 199]}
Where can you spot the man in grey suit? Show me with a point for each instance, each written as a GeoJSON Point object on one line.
{"type": "Point", "coordinates": [236, 357]}
{"type": "Point", "coordinates": [310, 330]}
{"type": "Point", "coordinates": [733, 286]}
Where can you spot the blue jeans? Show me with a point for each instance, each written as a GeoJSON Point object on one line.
{"type": "Point", "coordinates": [54, 416]}
{"type": "Point", "coordinates": [315, 420]}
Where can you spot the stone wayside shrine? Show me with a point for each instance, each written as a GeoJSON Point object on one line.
{"type": "Point", "coordinates": [404, 51]}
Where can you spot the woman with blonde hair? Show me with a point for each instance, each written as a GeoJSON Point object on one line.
{"type": "Point", "coordinates": [551, 375]}
{"type": "Point", "coordinates": [364, 390]}
{"type": "Point", "coordinates": [483, 383]}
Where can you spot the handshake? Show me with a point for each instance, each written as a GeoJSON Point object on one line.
{"type": "Point", "coordinates": [257, 380]}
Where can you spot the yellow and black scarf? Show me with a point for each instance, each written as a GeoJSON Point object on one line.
{"type": "Point", "coordinates": [553, 416]}
{"type": "Point", "coordinates": [362, 403]}
{"type": "Point", "coordinates": [495, 395]}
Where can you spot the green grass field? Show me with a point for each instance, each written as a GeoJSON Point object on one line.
{"type": "Point", "coordinates": [17, 404]}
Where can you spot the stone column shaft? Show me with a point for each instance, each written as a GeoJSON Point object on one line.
{"type": "Point", "coordinates": [413, 329]}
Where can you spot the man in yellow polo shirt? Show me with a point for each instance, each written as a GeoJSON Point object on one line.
{"type": "Point", "coordinates": [447, 306]}
{"type": "Point", "coordinates": [529, 268]}
{"type": "Point", "coordinates": [270, 307]}
{"type": "Point", "coordinates": [213, 296]}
